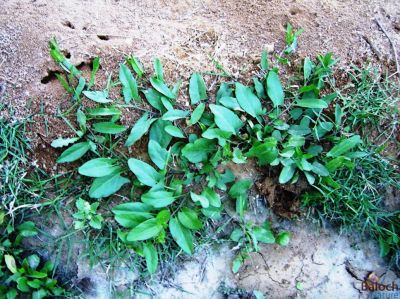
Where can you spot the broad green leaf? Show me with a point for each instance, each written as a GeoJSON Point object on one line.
{"type": "Point", "coordinates": [189, 219]}
{"type": "Point", "coordinates": [264, 60]}
{"type": "Point", "coordinates": [274, 89]}
{"type": "Point", "coordinates": [198, 151]}
{"type": "Point", "coordinates": [319, 169]}
{"type": "Point", "coordinates": [258, 294]}
{"type": "Point", "coordinates": [60, 142]}
{"type": "Point", "coordinates": [97, 96]}
{"type": "Point", "coordinates": [240, 188]}
{"type": "Point", "coordinates": [182, 236]}
{"type": "Point", "coordinates": [197, 113]}
{"type": "Point", "coordinates": [224, 91]}
{"type": "Point", "coordinates": [201, 199]}
{"type": "Point", "coordinates": [107, 185]}
{"type": "Point", "coordinates": [139, 129]}
{"type": "Point", "coordinates": [131, 214]}
{"type": "Point", "coordinates": [310, 178]}
{"type": "Point", "coordinates": [145, 230]}
{"type": "Point", "coordinates": [344, 146]}
{"type": "Point", "coordinates": [237, 263]}
{"type": "Point", "coordinates": [157, 132]}
{"type": "Point", "coordinates": [287, 173]}
{"type": "Point", "coordinates": [109, 111]}
{"type": "Point", "coordinates": [108, 128]}
{"type": "Point", "coordinates": [167, 103]}
{"type": "Point", "coordinates": [212, 197]}
{"type": "Point", "coordinates": [248, 100]}
{"type": "Point", "coordinates": [158, 199]}
{"type": "Point", "coordinates": [10, 263]}
{"type": "Point", "coordinates": [311, 103]}
{"type": "Point", "coordinates": [174, 131]}
{"type": "Point", "coordinates": [163, 216]}
{"type": "Point", "coordinates": [230, 103]}
{"type": "Point", "coordinates": [98, 167]}
{"type": "Point", "coordinates": [197, 89]}
{"type": "Point", "coordinates": [283, 238]}
{"type": "Point", "coordinates": [296, 141]}
{"type": "Point", "coordinates": [265, 152]}
{"type": "Point", "coordinates": [157, 154]}
{"type": "Point", "coordinates": [307, 69]}
{"type": "Point", "coordinates": [151, 256]}
{"type": "Point", "coordinates": [161, 87]}
{"type": "Point", "coordinates": [225, 119]}
{"type": "Point", "coordinates": [174, 115]}
{"type": "Point", "coordinates": [259, 87]}
{"type": "Point", "coordinates": [215, 133]}
{"type": "Point", "coordinates": [129, 84]}
{"type": "Point", "coordinates": [264, 235]}
{"type": "Point", "coordinates": [136, 66]}
{"type": "Point", "coordinates": [154, 99]}
{"type": "Point", "coordinates": [145, 173]}
{"type": "Point", "coordinates": [74, 152]}
{"type": "Point", "coordinates": [158, 69]}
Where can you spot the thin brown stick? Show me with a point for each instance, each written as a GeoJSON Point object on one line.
{"type": "Point", "coordinates": [392, 44]}
{"type": "Point", "coordinates": [373, 48]}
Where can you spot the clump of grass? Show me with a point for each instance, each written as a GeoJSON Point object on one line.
{"type": "Point", "coordinates": [357, 200]}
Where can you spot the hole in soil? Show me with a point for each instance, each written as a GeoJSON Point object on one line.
{"type": "Point", "coordinates": [68, 24]}
{"type": "Point", "coordinates": [66, 54]}
{"type": "Point", "coordinates": [51, 75]}
{"type": "Point", "coordinates": [86, 285]}
{"type": "Point", "coordinates": [104, 37]}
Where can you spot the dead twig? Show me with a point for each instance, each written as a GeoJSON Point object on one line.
{"type": "Point", "coordinates": [392, 45]}
{"type": "Point", "coordinates": [373, 48]}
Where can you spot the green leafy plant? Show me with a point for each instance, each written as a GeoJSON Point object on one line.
{"type": "Point", "coordinates": [21, 276]}
{"type": "Point", "coordinates": [87, 215]}
{"type": "Point", "coordinates": [182, 183]}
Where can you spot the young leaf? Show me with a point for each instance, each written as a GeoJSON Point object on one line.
{"type": "Point", "coordinates": [212, 197]}
{"type": "Point", "coordinates": [265, 152]}
{"type": "Point", "coordinates": [240, 188]}
{"type": "Point", "coordinates": [95, 68]}
{"type": "Point", "coordinates": [79, 88]}
{"type": "Point", "coordinates": [182, 236]}
{"type": "Point", "coordinates": [145, 173]}
{"type": "Point", "coordinates": [225, 119]}
{"type": "Point", "coordinates": [97, 96]}
{"type": "Point", "coordinates": [162, 88]}
{"type": "Point", "coordinates": [145, 230]}
{"type": "Point", "coordinates": [60, 142]}
{"type": "Point", "coordinates": [248, 100]}
{"type": "Point", "coordinates": [136, 66]}
{"type": "Point", "coordinates": [174, 115]}
{"type": "Point", "coordinates": [259, 87]}
{"type": "Point", "coordinates": [274, 89]}
{"type": "Point", "coordinates": [230, 103]}
{"type": "Point", "coordinates": [151, 256]}
{"type": "Point", "coordinates": [287, 173]}
{"type": "Point", "coordinates": [344, 146]}
{"type": "Point", "coordinates": [98, 167]}
{"type": "Point", "coordinates": [197, 113]}
{"type": "Point", "coordinates": [189, 219]}
{"type": "Point", "coordinates": [157, 154]}
{"type": "Point", "coordinates": [174, 131]}
{"type": "Point", "coordinates": [158, 69]}
{"type": "Point", "coordinates": [129, 84]}
{"type": "Point", "coordinates": [139, 129]}
{"type": "Point", "coordinates": [201, 199]}
{"type": "Point", "coordinates": [74, 152]}
{"type": "Point", "coordinates": [108, 128]}
{"type": "Point", "coordinates": [107, 185]}
{"type": "Point", "coordinates": [197, 89]}
{"type": "Point", "coordinates": [158, 199]}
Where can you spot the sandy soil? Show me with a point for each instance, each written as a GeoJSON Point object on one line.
{"type": "Point", "coordinates": [185, 34]}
